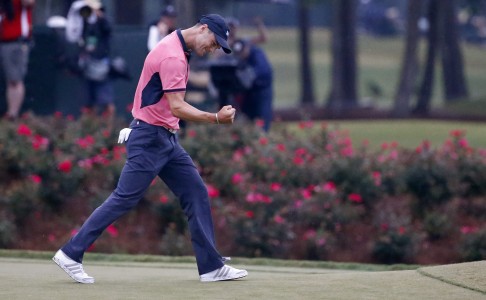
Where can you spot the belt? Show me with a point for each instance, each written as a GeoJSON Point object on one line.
{"type": "Point", "coordinates": [171, 130]}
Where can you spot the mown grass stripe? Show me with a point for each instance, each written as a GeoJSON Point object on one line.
{"type": "Point", "coordinates": [235, 260]}
{"type": "Point", "coordinates": [421, 271]}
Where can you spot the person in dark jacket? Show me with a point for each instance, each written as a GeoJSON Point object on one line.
{"type": "Point", "coordinates": [89, 31]}
{"type": "Point", "coordinates": [96, 53]}
{"type": "Point", "coordinates": [258, 75]}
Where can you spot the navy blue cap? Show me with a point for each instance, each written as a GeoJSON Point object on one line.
{"type": "Point", "coordinates": [220, 29]}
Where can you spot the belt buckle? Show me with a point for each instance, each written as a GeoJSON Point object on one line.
{"type": "Point", "coordinates": [171, 130]}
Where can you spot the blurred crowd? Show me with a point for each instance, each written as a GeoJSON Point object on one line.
{"type": "Point", "coordinates": [15, 45]}
{"type": "Point", "coordinates": [243, 79]}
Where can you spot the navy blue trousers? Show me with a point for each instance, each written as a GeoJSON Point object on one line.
{"type": "Point", "coordinates": [153, 151]}
{"type": "Point", "coordinates": [257, 103]}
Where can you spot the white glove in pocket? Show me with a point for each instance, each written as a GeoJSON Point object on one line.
{"type": "Point", "coordinates": [124, 134]}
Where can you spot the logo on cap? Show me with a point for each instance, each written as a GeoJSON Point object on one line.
{"type": "Point", "coordinates": [227, 33]}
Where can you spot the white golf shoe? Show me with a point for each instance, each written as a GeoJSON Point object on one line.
{"type": "Point", "coordinates": [72, 268]}
{"type": "Point", "coordinates": [223, 273]}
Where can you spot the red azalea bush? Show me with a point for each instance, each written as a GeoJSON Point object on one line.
{"type": "Point", "coordinates": [307, 193]}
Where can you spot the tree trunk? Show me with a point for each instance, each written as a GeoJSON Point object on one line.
{"type": "Point", "coordinates": [186, 11]}
{"type": "Point", "coordinates": [130, 13]}
{"type": "Point", "coordinates": [306, 86]}
{"type": "Point", "coordinates": [427, 85]}
{"type": "Point", "coordinates": [189, 11]}
{"type": "Point", "coordinates": [409, 66]}
{"type": "Point", "coordinates": [452, 63]}
{"type": "Point", "coordinates": [343, 93]}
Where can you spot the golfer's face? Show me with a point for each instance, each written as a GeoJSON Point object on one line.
{"type": "Point", "coordinates": [207, 43]}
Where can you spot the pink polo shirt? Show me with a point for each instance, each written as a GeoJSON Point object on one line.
{"type": "Point", "coordinates": [165, 70]}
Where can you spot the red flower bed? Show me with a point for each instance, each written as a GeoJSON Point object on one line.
{"type": "Point", "coordinates": [301, 194]}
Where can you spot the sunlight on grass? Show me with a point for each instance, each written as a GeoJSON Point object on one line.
{"type": "Point", "coordinates": [408, 133]}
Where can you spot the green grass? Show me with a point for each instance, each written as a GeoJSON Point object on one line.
{"type": "Point", "coordinates": [474, 107]}
{"type": "Point", "coordinates": [40, 278]}
{"type": "Point", "coordinates": [408, 133]}
{"type": "Point", "coordinates": [463, 275]}
{"type": "Point", "coordinates": [379, 60]}
{"type": "Point", "coordinates": [101, 257]}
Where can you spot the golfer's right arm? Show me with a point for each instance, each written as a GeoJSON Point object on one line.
{"type": "Point", "coordinates": [183, 110]}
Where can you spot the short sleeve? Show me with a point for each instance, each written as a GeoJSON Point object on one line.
{"type": "Point", "coordinates": [173, 74]}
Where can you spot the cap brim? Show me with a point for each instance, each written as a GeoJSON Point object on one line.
{"type": "Point", "coordinates": [223, 43]}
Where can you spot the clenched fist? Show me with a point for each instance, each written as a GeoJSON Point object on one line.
{"type": "Point", "coordinates": [226, 115]}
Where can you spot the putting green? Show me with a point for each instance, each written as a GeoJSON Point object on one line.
{"type": "Point", "coordinates": [42, 279]}
{"type": "Point", "coordinates": [469, 275]}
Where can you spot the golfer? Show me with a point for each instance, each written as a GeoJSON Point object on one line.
{"type": "Point", "coordinates": [153, 150]}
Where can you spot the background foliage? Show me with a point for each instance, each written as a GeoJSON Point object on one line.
{"type": "Point", "coordinates": [305, 193]}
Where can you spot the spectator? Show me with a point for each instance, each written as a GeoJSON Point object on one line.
{"type": "Point", "coordinates": [225, 85]}
{"type": "Point", "coordinates": [88, 27]}
{"type": "Point", "coordinates": [15, 42]}
{"type": "Point", "coordinates": [255, 72]}
{"type": "Point", "coordinates": [162, 27]}
{"type": "Point", "coordinates": [260, 38]}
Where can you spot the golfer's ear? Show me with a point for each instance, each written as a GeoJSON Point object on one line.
{"type": "Point", "coordinates": [204, 27]}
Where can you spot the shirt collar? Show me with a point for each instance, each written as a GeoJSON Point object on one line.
{"type": "Point", "coordinates": [187, 52]}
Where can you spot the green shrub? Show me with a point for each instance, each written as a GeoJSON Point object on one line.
{"type": "Point", "coordinates": [437, 225]}
{"type": "Point", "coordinates": [392, 247]}
{"type": "Point", "coordinates": [175, 243]}
{"type": "Point", "coordinates": [472, 177]}
{"type": "Point", "coordinates": [22, 199]}
{"type": "Point", "coordinates": [353, 175]}
{"type": "Point", "coordinates": [428, 181]}
{"type": "Point", "coordinates": [473, 246]}
{"type": "Point", "coordinates": [7, 232]}
{"type": "Point", "coordinates": [303, 193]}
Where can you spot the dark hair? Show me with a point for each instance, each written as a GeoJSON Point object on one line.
{"type": "Point", "coordinates": [85, 10]}
{"type": "Point", "coordinates": [7, 7]}
{"type": "Point", "coordinates": [169, 11]}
